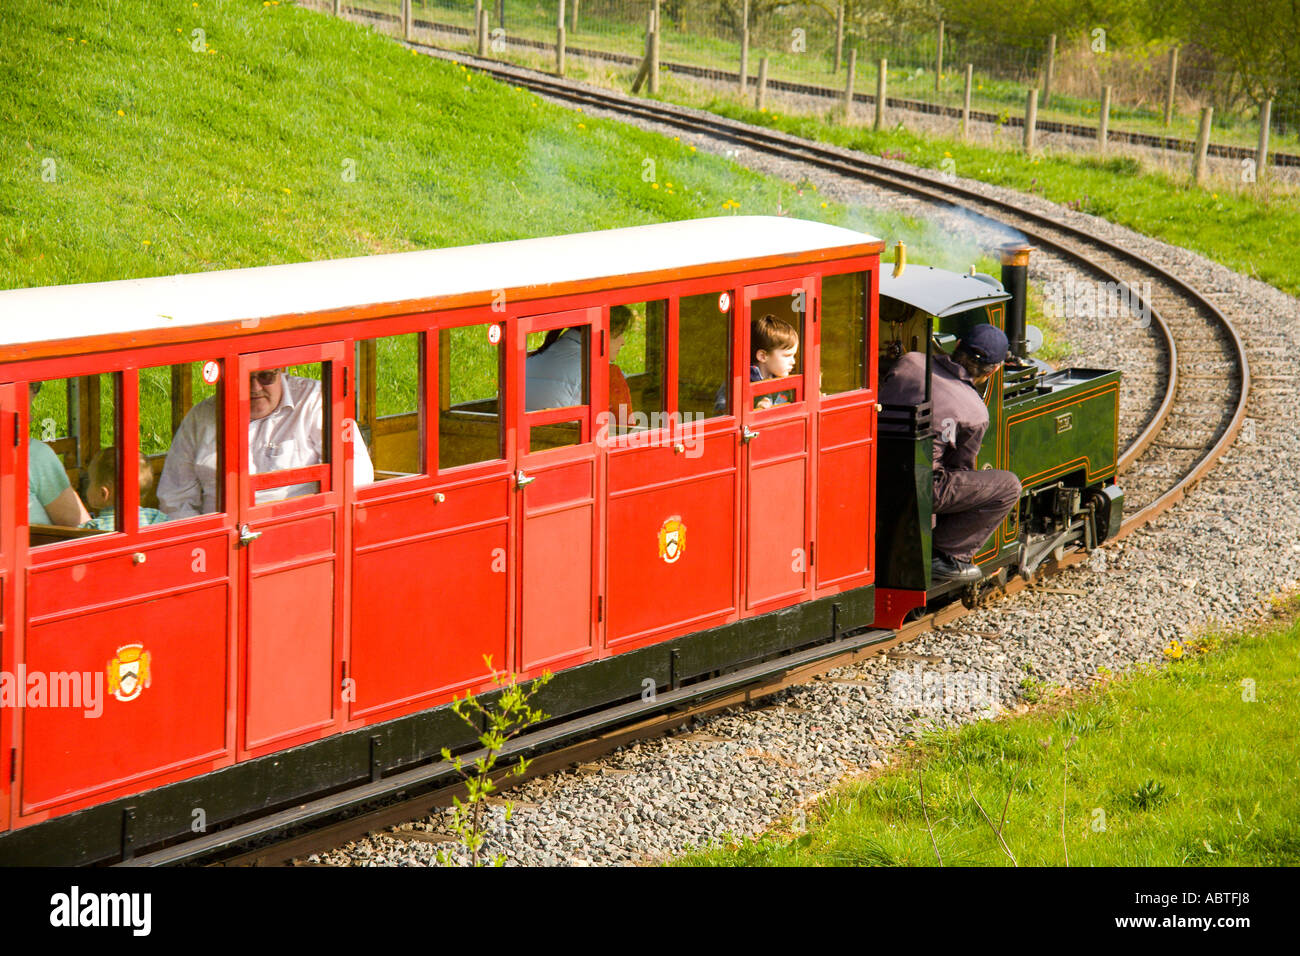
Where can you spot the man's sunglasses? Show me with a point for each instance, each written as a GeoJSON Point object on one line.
{"type": "Point", "coordinates": [266, 377]}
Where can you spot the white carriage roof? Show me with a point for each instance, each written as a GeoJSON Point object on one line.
{"type": "Point", "coordinates": [53, 313]}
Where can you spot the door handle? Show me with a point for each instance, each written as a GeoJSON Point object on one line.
{"type": "Point", "coordinates": [747, 436]}
{"type": "Point", "coordinates": [247, 537]}
{"type": "Point", "coordinates": [521, 479]}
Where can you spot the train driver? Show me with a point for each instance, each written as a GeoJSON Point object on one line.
{"type": "Point", "coordinates": [968, 503]}
{"type": "Point", "coordinates": [51, 498]}
{"type": "Point", "coordinates": [284, 431]}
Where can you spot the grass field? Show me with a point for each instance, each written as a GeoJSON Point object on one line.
{"type": "Point", "coordinates": [1189, 764]}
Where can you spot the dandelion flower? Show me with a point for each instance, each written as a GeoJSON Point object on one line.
{"type": "Point", "coordinates": [654, 185]}
{"type": "Point", "coordinates": [121, 112]}
{"type": "Point", "coordinates": [286, 189]}
{"type": "Point", "coordinates": [146, 242]}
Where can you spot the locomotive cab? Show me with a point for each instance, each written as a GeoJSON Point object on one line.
{"type": "Point", "coordinates": [1055, 430]}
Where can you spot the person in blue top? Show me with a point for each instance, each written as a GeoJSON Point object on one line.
{"type": "Point", "coordinates": [103, 492]}
{"type": "Point", "coordinates": [51, 498]}
{"type": "Point", "coordinates": [775, 345]}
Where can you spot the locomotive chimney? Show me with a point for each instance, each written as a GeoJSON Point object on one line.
{"type": "Point", "coordinates": [1015, 279]}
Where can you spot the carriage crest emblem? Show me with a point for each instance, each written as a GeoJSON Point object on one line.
{"type": "Point", "coordinates": [128, 672]}
{"type": "Point", "coordinates": [672, 539]}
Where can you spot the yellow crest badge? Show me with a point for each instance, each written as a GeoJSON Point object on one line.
{"type": "Point", "coordinates": [128, 673]}
{"type": "Point", "coordinates": [672, 539]}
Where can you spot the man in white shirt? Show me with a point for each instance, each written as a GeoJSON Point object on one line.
{"type": "Point", "coordinates": [286, 414]}
{"type": "Point", "coordinates": [554, 372]}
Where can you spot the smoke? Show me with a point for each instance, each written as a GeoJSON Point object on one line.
{"type": "Point", "coordinates": [952, 238]}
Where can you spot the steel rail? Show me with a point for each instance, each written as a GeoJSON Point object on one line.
{"type": "Point", "coordinates": [619, 725]}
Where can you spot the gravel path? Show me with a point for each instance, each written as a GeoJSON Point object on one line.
{"type": "Point", "coordinates": [1216, 558]}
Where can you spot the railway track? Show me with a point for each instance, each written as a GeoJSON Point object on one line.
{"type": "Point", "coordinates": [1206, 384]}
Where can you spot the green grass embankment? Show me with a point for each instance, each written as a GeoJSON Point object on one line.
{"type": "Point", "coordinates": [1189, 764]}
{"type": "Point", "coordinates": [149, 138]}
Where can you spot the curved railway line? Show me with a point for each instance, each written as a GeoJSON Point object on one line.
{"type": "Point", "coordinates": [1206, 384]}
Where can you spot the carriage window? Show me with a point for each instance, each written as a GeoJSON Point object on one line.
{"type": "Point", "coordinates": [844, 332]}
{"type": "Point", "coordinates": [776, 342]}
{"type": "Point", "coordinates": [388, 407]}
{"type": "Point", "coordinates": [637, 358]}
{"type": "Point", "coordinates": [180, 441]}
{"type": "Point", "coordinates": [704, 354]}
{"type": "Point", "coordinates": [288, 413]}
{"type": "Point", "coordinates": [73, 479]}
{"type": "Point", "coordinates": [556, 373]}
{"type": "Point", "coordinates": [469, 395]}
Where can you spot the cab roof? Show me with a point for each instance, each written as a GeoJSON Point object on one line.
{"type": "Point", "coordinates": [146, 311]}
{"type": "Point", "coordinates": [940, 292]}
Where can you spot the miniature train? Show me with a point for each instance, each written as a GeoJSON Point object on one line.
{"type": "Point", "coordinates": [346, 500]}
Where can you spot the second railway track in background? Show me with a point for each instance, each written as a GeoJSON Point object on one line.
{"type": "Point", "coordinates": [1206, 386]}
{"type": "Point", "coordinates": [1206, 374]}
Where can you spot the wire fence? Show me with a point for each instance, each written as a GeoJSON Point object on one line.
{"type": "Point", "coordinates": [929, 68]}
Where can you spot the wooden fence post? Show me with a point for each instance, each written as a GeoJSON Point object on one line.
{"type": "Point", "coordinates": [1171, 86]}
{"type": "Point", "coordinates": [1199, 163]}
{"type": "Point", "coordinates": [965, 102]}
{"type": "Point", "coordinates": [501, 13]}
{"type": "Point", "coordinates": [881, 72]}
{"type": "Point", "coordinates": [1103, 128]}
{"type": "Point", "coordinates": [654, 49]}
{"type": "Point", "coordinates": [1261, 154]}
{"type": "Point", "coordinates": [559, 39]}
{"type": "Point", "coordinates": [744, 44]}
{"type": "Point", "coordinates": [839, 37]}
{"type": "Point", "coordinates": [848, 85]}
{"type": "Point", "coordinates": [1031, 119]}
{"type": "Point", "coordinates": [482, 33]}
{"type": "Point", "coordinates": [406, 20]}
{"type": "Point", "coordinates": [938, 60]}
{"type": "Point", "coordinates": [336, 7]}
{"type": "Point", "coordinates": [762, 85]}
{"type": "Point", "coordinates": [573, 20]}
{"type": "Point", "coordinates": [1050, 68]}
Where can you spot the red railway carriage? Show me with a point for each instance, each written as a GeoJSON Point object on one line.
{"type": "Point", "coordinates": [359, 477]}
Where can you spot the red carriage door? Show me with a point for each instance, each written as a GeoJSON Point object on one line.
{"type": "Point", "coordinates": [776, 432]}
{"type": "Point", "coordinates": [8, 518]}
{"type": "Point", "coordinates": [290, 463]}
{"type": "Point", "coordinates": [846, 432]}
{"type": "Point", "coordinates": [556, 480]}
{"type": "Point", "coordinates": [431, 569]}
{"type": "Point", "coordinates": [673, 489]}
